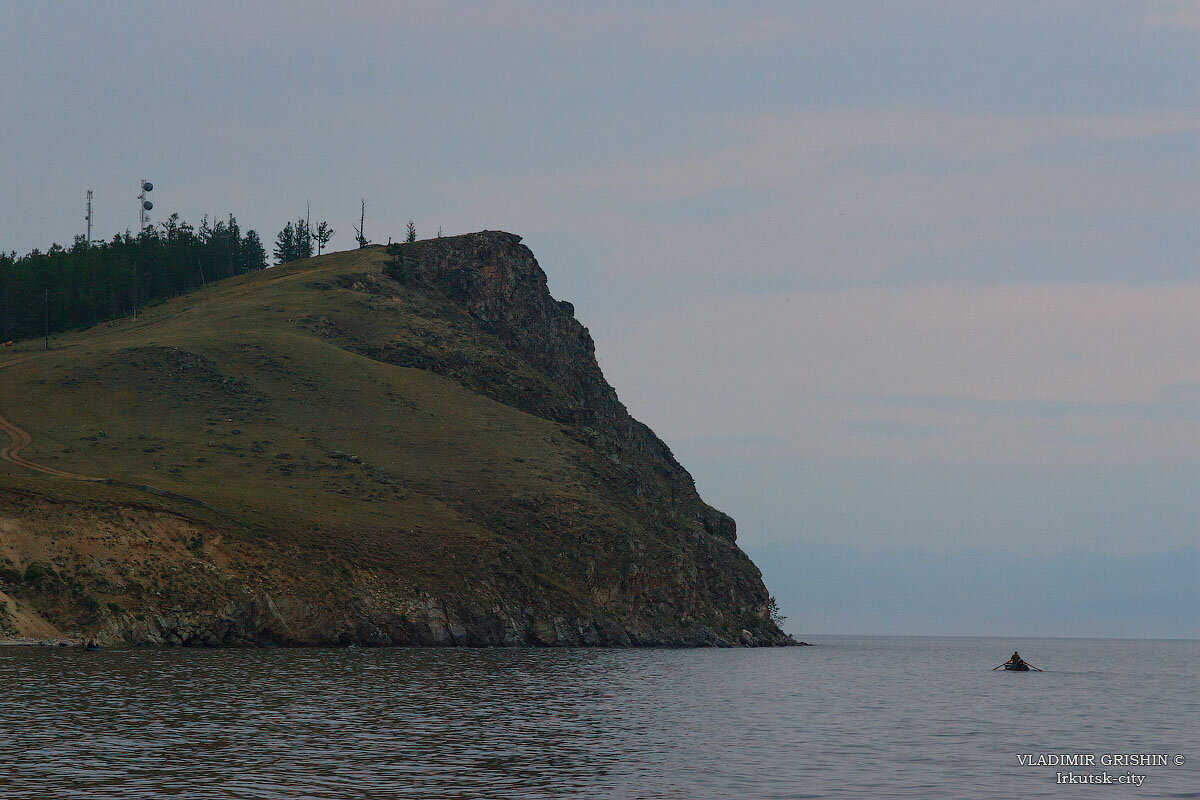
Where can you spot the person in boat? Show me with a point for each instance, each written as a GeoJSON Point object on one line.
{"type": "Point", "coordinates": [1015, 662]}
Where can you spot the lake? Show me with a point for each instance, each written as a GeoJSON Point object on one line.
{"type": "Point", "coordinates": [849, 717]}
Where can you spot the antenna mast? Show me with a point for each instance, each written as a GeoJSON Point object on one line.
{"type": "Point", "coordinates": [88, 217]}
{"type": "Point", "coordinates": [144, 205]}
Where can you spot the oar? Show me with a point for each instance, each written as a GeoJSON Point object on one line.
{"type": "Point", "coordinates": [998, 666]}
{"type": "Point", "coordinates": [1031, 666]}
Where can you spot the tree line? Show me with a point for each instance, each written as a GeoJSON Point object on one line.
{"type": "Point", "coordinates": [75, 287]}
{"type": "Point", "coordinates": [296, 240]}
{"type": "Point", "coordinates": [89, 282]}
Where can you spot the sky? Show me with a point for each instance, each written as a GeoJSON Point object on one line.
{"type": "Point", "coordinates": [910, 287]}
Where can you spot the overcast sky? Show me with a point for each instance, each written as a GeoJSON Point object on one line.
{"type": "Point", "coordinates": [898, 282]}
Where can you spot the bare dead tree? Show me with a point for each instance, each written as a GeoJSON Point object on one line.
{"type": "Point", "coordinates": [362, 240]}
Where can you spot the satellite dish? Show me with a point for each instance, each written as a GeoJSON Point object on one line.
{"type": "Point", "coordinates": [147, 186]}
{"type": "Point", "coordinates": [147, 205]}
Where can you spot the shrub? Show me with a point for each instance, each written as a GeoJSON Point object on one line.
{"type": "Point", "coordinates": [399, 268]}
{"type": "Point", "coordinates": [40, 576]}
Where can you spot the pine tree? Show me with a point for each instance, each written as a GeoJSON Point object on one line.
{"type": "Point", "coordinates": [233, 253]}
{"type": "Point", "coordinates": [412, 233]}
{"type": "Point", "coordinates": [285, 245]}
{"type": "Point", "coordinates": [7, 263]}
{"type": "Point", "coordinates": [304, 239]}
{"type": "Point", "coordinates": [171, 228]}
{"type": "Point", "coordinates": [323, 234]}
{"type": "Point", "coordinates": [254, 256]}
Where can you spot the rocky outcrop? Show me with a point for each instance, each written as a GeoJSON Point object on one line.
{"type": "Point", "coordinates": [494, 491]}
{"type": "Point", "coordinates": [497, 280]}
{"type": "Point", "coordinates": [429, 622]}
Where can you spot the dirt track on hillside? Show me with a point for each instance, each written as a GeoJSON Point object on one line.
{"type": "Point", "coordinates": [20, 438]}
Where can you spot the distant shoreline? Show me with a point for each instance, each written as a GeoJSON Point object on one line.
{"type": "Point", "coordinates": [80, 643]}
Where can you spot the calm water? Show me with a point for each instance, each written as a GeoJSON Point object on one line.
{"type": "Point", "coordinates": [852, 717]}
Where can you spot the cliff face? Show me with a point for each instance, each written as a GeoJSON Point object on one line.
{"type": "Point", "coordinates": [499, 282]}
{"type": "Point", "coordinates": [410, 447]}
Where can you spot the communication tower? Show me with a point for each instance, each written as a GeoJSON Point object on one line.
{"type": "Point", "coordinates": [88, 217]}
{"type": "Point", "coordinates": [144, 205]}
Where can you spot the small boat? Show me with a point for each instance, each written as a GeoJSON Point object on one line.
{"type": "Point", "coordinates": [91, 647]}
{"type": "Point", "coordinates": [1016, 664]}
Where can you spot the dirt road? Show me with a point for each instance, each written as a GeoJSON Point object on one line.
{"type": "Point", "coordinates": [20, 439]}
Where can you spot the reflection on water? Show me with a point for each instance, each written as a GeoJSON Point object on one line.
{"type": "Point", "coordinates": [851, 717]}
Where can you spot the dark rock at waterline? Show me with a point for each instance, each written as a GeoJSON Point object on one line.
{"type": "Point", "coordinates": [261, 621]}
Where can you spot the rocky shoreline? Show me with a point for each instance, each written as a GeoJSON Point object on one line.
{"type": "Point", "coordinates": [666, 643]}
{"type": "Point", "coordinates": [264, 621]}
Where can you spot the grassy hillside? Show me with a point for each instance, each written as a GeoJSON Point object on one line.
{"type": "Point", "coordinates": [300, 468]}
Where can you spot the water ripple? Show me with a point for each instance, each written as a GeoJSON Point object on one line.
{"type": "Point", "coordinates": [853, 717]}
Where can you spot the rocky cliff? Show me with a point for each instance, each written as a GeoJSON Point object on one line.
{"type": "Point", "coordinates": [410, 446]}
{"type": "Point", "coordinates": [500, 284]}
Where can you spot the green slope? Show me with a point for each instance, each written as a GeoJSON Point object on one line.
{"type": "Point", "coordinates": [355, 498]}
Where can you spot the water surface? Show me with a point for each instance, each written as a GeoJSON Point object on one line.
{"type": "Point", "coordinates": [851, 717]}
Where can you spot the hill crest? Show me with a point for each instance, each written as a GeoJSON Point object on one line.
{"type": "Point", "coordinates": [393, 446]}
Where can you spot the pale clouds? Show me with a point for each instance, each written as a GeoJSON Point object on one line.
{"type": "Point", "coordinates": [1184, 15]}
{"type": "Point", "coordinates": [907, 194]}
{"type": "Point", "coordinates": [659, 30]}
{"type": "Point", "coordinates": [1052, 374]}
{"type": "Point", "coordinates": [773, 150]}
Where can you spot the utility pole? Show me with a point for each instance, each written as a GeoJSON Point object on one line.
{"type": "Point", "coordinates": [47, 317]}
{"type": "Point", "coordinates": [203, 282]}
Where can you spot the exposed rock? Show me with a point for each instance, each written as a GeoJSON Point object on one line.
{"type": "Point", "coordinates": [261, 620]}
{"type": "Point", "coordinates": [499, 282]}
{"type": "Point", "coordinates": [554, 519]}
